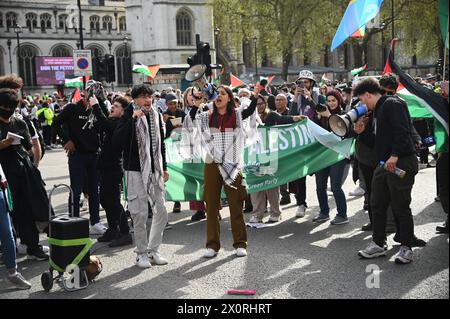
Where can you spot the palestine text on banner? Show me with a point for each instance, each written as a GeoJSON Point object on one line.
{"type": "Point", "coordinates": [284, 154]}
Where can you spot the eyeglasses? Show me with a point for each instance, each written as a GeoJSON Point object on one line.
{"type": "Point", "coordinates": [261, 104]}
{"type": "Point", "coordinates": [197, 97]}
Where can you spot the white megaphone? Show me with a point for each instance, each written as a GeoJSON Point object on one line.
{"type": "Point", "coordinates": [341, 124]}
{"type": "Point", "coordinates": [196, 75]}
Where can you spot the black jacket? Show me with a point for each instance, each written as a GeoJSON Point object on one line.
{"type": "Point", "coordinates": [273, 118]}
{"type": "Point", "coordinates": [69, 125]}
{"type": "Point", "coordinates": [109, 159]}
{"type": "Point", "coordinates": [392, 129]}
{"type": "Point", "coordinates": [169, 126]}
{"type": "Point", "coordinates": [124, 139]}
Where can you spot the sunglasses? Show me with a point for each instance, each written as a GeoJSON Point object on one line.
{"type": "Point", "coordinates": [197, 97]}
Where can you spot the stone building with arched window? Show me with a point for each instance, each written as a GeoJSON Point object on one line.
{"type": "Point", "coordinates": [49, 29]}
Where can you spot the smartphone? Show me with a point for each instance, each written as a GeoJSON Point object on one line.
{"type": "Point", "coordinates": [300, 84]}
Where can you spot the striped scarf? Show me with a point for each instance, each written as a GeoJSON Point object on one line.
{"type": "Point", "coordinates": [143, 133]}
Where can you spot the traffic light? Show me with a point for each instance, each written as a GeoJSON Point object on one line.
{"type": "Point", "coordinates": [100, 69]}
{"type": "Point", "coordinates": [110, 68]}
{"type": "Point", "coordinates": [105, 68]}
{"type": "Point", "coordinates": [203, 49]}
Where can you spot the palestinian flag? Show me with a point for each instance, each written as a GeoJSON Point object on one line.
{"type": "Point", "coordinates": [149, 71]}
{"type": "Point", "coordinates": [75, 82]}
{"type": "Point", "coordinates": [358, 70]}
{"type": "Point", "coordinates": [76, 96]}
{"type": "Point", "coordinates": [235, 81]}
{"type": "Point", "coordinates": [421, 101]}
{"type": "Point", "coordinates": [324, 79]}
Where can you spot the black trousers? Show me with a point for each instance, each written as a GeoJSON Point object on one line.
{"type": "Point", "coordinates": [388, 188]}
{"type": "Point", "coordinates": [367, 172]}
{"type": "Point", "coordinates": [110, 182]}
{"type": "Point", "coordinates": [47, 134]}
{"type": "Point", "coordinates": [442, 172]}
{"type": "Point", "coordinates": [22, 215]}
{"type": "Point", "coordinates": [298, 188]}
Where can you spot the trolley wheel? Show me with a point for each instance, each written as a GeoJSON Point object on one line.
{"type": "Point", "coordinates": [47, 281]}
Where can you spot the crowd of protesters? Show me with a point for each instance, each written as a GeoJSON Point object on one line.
{"type": "Point", "coordinates": [111, 136]}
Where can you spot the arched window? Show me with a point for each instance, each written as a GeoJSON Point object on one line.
{"type": "Point", "coordinates": [122, 24]}
{"type": "Point", "coordinates": [123, 62]}
{"type": "Point", "coordinates": [96, 52]}
{"type": "Point", "coordinates": [11, 20]}
{"type": "Point", "coordinates": [184, 28]}
{"type": "Point", "coordinates": [27, 68]}
{"type": "Point", "coordinates": [107, 23]}
{"type": "Point", "coordinates": [31, 19]}
{"type": "Point", "coordinates": [62, 22]}
{"type": "Point", "coordinates": [95, 23]}
{"type": "Point", "coordinates": [62, 50]}
{"type": "Point", "coordinates": [46, 22]}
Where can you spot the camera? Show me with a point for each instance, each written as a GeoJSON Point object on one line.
{"type": "Point", "coordinates": [320, 107]}
{"type": "Point", "coordinates": [300, 83]}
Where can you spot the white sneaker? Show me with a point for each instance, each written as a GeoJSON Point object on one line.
{"type": "Point", "coordinates": [357, 192]}
{"type": "Point", "coordinates": [210, 253]}
{"type": "Point", "coordinates": [97, 229]}
{"type": "Point", "coordinates": [157, 259]}
{"type": "Point", "coordinates": [241, 252]}
{"type": "Point", "coordinates": [301, 211]}
{"type": "Point", "coordinates": [142, 261]}
{"type": "Point", "coordinates": [255, 220]}
{"type": "Point", "coordinates": [274, 219]}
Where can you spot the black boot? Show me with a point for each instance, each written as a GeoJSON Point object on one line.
{"type": "Point", "coordinates": [443, 229]}
{"type": "Point", "coordinates": [199, 215]}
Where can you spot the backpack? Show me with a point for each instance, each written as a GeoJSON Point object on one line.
{"type": "Point", "coordinates": [41, 117]}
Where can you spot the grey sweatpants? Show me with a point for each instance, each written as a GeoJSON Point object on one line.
{"type": "Point", "coordinates": [138, 206]}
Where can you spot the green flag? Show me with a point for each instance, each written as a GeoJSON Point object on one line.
{"type": "Point", "coordinates": [283, 154]}
{"type": "Point", "coordinates": [443, 20]}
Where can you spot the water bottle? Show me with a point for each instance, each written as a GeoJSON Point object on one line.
{"type": "Point", "coordinates": [399, 172]}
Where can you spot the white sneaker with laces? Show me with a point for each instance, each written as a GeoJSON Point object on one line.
{"type": "Point", "coordinates": [274, 219]}
{"type": "Point", "coordinates": [142, 261]}
{"type": "Point", "coordinates": [97, 229]}
{"type": "Point", "coordinates": [357, 192]}
{"type": "Point", "coordinates": [404, 256]}
{"type": "Point", "coordinates": [372, 251]}
{"type": "Point", "coordinates": [18, 281]}
{"type": "Point", "coordinates": [255, 220]}
{"type": "Point", "coordinates": [157, 259]}
{"type": "Point", "coordinates": [210, 253]}
{"type": "Point", "coordinates": [241, 252]}
{"type": "Point", "coordinates": [301, 211]}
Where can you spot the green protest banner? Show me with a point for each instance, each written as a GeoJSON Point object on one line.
{"type": "Point", "coordinates": [281, 155]}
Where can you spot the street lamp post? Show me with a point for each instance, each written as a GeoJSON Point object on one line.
{"type": "Point", "coordinates": [217, 33]}
{"type": "Point", "coordinates": [255, 40]}
{"type": "Point", "coordinates": [383, 53]}
{"type": "Point", "coordinates": [18, 30]}
{"type": "Point", "coordinates": [78, 44]}
{"type": "Point", "coordinates": [8, 43]}
{"type": "Point", "coordinates": [128, 58]}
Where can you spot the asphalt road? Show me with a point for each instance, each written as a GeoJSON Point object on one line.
{"type": "Point", "coordinates": [293, 259]}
